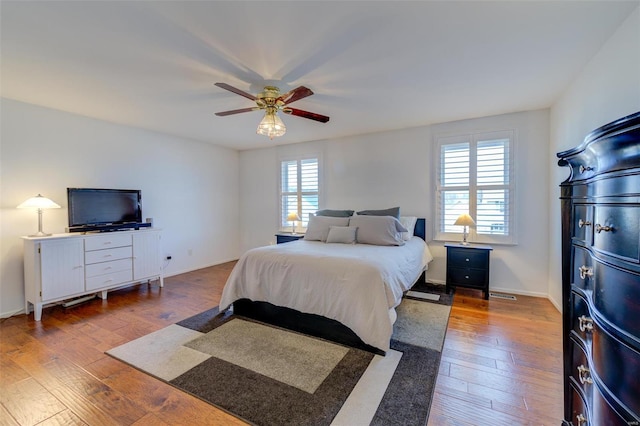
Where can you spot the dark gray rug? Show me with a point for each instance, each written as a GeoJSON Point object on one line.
{"type": "Point", "coordinates": [255, 384]}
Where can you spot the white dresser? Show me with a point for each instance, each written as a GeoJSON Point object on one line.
{"type": "Point", "coordinates": [64, 266]}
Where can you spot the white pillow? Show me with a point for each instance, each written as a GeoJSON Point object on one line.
{"type": "Point", "coordinates": [408, 222]}
{"type": "Point", "coordinates": [378, 230]}
{"type": "Point", "coordinates": [318, 227]}
{"type": "Point", "coordinates": [342, 234]}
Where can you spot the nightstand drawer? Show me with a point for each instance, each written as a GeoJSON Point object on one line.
{"type": "Point", "coordinates": [467, 277]}
{"type": "Point", "coordinates": [460, 257]}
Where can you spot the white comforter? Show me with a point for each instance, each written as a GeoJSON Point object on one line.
{"type": "Point", "coordinates": [358, 285]}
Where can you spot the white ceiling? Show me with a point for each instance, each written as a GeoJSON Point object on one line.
{"type": "Point", "coordinates": [373, 65]}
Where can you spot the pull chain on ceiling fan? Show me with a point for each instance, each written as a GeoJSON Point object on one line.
{"type": "Point", "coordinates": [271, 101]}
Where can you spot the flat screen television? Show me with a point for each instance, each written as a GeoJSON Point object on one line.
{"type": "Point", "coordinates": [93, 209]}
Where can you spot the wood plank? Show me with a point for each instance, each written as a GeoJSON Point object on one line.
{"type": "Point", "coordinates": [29, 403]}
{"type": "Point", "coordinates": [499, 366]}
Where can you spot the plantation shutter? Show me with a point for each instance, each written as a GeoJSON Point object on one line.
{"type": "Point", "coordinates": [299, 189]}
{"type": "Point", "coordinates": [474, 176]}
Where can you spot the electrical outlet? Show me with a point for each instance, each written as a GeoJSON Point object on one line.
{"type": "Point", "coordinates": [190, 252]}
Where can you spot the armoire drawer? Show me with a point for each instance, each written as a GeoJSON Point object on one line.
{"type": "Point", "coordinates": [618, 366]}
{"type": "Point", "coordinates": [581, 319]}
{"type": "Point", "coordinates": [617, 231]}
{"type": "Point", "coordinates": [583, 268]}
{"type": "Point", "coordinates": [602, 413]}
{"type": "Point", "coordinates": [582, 223]}
{"type": "Point", "coordinates": [578, 408]}
{"type": "Point", "coordinates": [615, 288]}
{"type": "Point", "coordinates": [580, 369]}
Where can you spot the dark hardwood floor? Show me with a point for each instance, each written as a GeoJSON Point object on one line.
{"type": "Point", "coordinates": [501, 362]}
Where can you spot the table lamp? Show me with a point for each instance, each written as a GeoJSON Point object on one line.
{"type": "Point", "coordinates": [464, 220]}
{"type": "Point", "coordinates": [292, 217]}
{"type": "Point", "coordinates": [39, 202]}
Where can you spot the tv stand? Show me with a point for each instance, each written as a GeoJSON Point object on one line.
{"type": "Point", "coordinates": [66, 266]}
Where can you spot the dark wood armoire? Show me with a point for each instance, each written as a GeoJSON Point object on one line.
{"type": "Point", "coordinates": [601, 276]}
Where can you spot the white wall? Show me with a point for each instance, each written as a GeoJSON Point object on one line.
{"type": "Point", "coordinates": [396, 168]}
{"type": "Point", "coordinates": [608, 88]}
{"type": "Point", "coordinates": [189, 188]}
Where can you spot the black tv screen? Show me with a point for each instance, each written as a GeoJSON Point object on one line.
{"type": "Point", "coordinates": [91, 207]}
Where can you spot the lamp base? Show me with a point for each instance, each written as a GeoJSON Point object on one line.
{"type": "Point", "coordinates": [40, 234]}
{"type": "Point", "coordinates": [464, 243]}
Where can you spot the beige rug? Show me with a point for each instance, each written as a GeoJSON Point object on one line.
{"type": "Point", "coordinates": [270, 376]}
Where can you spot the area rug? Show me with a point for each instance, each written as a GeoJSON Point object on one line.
{"type": "Point", "coordinates": [266, 375]}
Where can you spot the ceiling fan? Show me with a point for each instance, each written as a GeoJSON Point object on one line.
{"type": "Point", "coordinates": [271, 101]}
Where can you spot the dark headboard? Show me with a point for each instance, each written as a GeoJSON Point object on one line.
{"type": "Point", "coordinates": [420, 229]}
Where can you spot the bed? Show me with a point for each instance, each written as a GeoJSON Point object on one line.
{"type": "Point", "coordinates": [342, 292]}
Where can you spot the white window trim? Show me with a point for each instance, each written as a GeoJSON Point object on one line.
{"type": "Point", "coordinates": [473, 236]}
{"type": "Point", "coordinates": [316, 155]}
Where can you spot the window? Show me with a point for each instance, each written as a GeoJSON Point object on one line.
{"type": "Point", "coordinates": [299, 189]}
{"type": "Point", "coordinates": [475, 177]}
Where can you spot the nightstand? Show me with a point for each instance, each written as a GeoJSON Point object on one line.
{"type": "Point", "coordinates": [468, 266]}
{"type": "Point", "coordinates": [286, 238]}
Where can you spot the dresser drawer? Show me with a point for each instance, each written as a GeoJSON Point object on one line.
{"type": "Point", "coordinates": [616, 231]}
{"type": "Point", "coordinates": [107, 241]}
{"type": "Point", "coordinates": [103, 268]}
{"type": "Point", "coordinates": [108, 280]}
{"type": "Point", "coordinates": [464, 258]}
{"type": "Point", "coordinates": [108, 255]}
{"type": "Point", "coordinates": [618, 366]}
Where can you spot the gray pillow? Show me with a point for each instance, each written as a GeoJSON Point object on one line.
{"type": "Point", "coordinates": [393, 211]}
{"type": "Point", "coordinates": [378, 230]}
{"type": "Point", "coordinates": [318, 227]}
{"type": "Point", "coordinates": [342, 234]}
{"type": "Point", "coordinates": [334, 213]}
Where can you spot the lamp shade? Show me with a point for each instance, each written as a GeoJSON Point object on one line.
{"type": "Point", "coordinates": [464, 220]}
{"type": "Point", "coordinates": [293, 216]}
{"type": "Point", "coordinates": [271, 125]}
{"type": "Point", "coordinates": [38, 202]}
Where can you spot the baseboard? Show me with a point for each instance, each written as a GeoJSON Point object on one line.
{"type": "Point", "coordinates": [556, 304]}
{"type": "Point", "coordinates": [5, 315]}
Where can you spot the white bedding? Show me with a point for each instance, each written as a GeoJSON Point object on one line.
{"type": "Point", "coordinates": [358, 285]}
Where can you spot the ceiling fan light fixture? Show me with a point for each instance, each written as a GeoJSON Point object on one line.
{"type": "Point", "coordinates": [271, 125]}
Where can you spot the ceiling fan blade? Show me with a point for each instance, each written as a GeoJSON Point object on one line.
{"type": "Point", "coordinates": [306, 114]}
{"type": "Point", "coordinates": [295, 94]}
{"type": "Point", "coordinates": [236, 111]}
{"type": "Point", "coordinates": [236, 91]}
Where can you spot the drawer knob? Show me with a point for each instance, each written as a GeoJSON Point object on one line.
{"type": "Point", "coordinates": [584, 375]}
{"type": "Point", "coordinates": [582, 223]}
{"type": "Point", "coordinates": [467, 259]}
{"type": "Point", "coordinates": [585, 271]}
{"type": "Point", "coordinates": [586, 323]}
{"type": "Point", "coordinates": [581, 420]}
{"type": "Point", "coordinates": [585, 169]}
{"type": "Point", "coordinates": [600, 228]}
{"type": "Point", "coordinates": [466, 276]}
